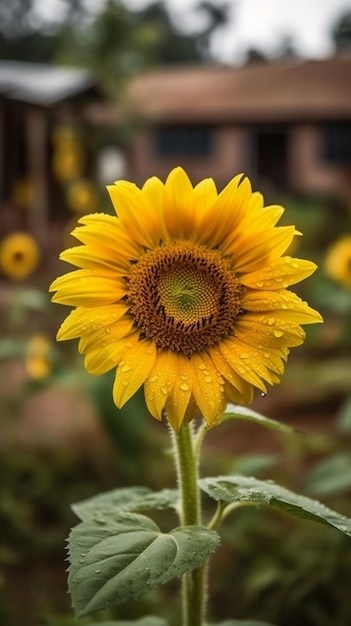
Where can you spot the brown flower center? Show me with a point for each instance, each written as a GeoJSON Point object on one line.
{"type": "Point", "coordinates": [184, 297]}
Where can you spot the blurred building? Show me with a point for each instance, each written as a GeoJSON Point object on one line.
{"type": "Point", "coordinates": [41, 144]}
{"type": "Point", "coordinates": [286, 124]}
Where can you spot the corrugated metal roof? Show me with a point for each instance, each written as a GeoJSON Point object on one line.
{"type": "Point", "coordinates": [44, 85]}
{"type": "Point", "coordinates": [278, 91]}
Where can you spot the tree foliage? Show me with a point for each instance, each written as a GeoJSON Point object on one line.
{"type": "Point", "coordinates": [341, 32]}
{"type": "Point", "coordinates": [115, 42]}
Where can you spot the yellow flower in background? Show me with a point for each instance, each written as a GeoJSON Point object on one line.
{"type": "Point", "coordinates": [68, 158]}
{"type": "Point", "coordinates": [68, 161]}
{"type": "Point", "coordinates": [38, 360]}
{"type": "Point", "coordinates": [64, 134]}
{"type": "Point", "coordinates": [184, 291]}
{"type": "Point", "coordinates": [19, 255]}
{"type": "Point", "coordinates": [338, 261]}
{"type": "Point", "coordinates": [82, 196]}
{"type": "Point", "coordinates": [22, 193]}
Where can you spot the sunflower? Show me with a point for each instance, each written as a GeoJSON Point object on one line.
{"type": "Point", "coordinates": [19, 255]}
{"type": "Point", "coordinates": [338, 261]}
{"type": "Point", "coordinates": [184, 291]}
{"type": "Point", "coordinates": [82, 196]}
{"type": "Point", "coordinates": [38, 361]}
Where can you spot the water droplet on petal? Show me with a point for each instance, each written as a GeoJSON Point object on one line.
{"type": "Point", "coordinates": [259, 284]}
{"type": "Point", "coordinates": [295, 265]}
{"type": "Point", "coordinates": [125, 368]}
{"type": "Point", "coordinates": [97, 571]}
{"type": "Point", "coordinates": [184, 387]}
{"type": "Point", "coordinates": [164, 390]}
{"type": "Point", "coordinates": [277, 333]}
{"type": "Point", "coordinates": [208, 379]}
{"type": "Point", "coordinates": [271, 321]}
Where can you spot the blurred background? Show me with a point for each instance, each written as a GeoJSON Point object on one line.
{"type": "Point", "coordinates": [96, 90]}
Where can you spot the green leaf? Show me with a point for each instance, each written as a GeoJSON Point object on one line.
{"type": "Point", "coordinates": [344, 417]}
{"type": "Point", "coordinates": [149, 620]}
{"type": "Point", "coordinates": [12, 347]}
{"type": "Point", "coordinates": [331, 476]}
{"type": "Point", "coordinates": [236, 411]}
{"type": "Point", "coordinates": [115, 558]}
{"type": "Point", "coordinates": [249, 464]}
{"type": "Point", "coordinates": [125, 499]}
{"type": "Point", "coordinates": [247, 489]}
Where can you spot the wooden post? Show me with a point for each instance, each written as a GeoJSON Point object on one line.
{"type": "Point", "coordinates": [36, 135]}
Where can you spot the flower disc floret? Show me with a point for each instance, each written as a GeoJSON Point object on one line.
{"type": "Point", "coordinates": [184, 297]}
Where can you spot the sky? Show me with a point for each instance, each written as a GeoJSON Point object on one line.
{"type": "Point", "coordinates": [253, 23]}
{"type": "Point", "coordinates": [263, 24]}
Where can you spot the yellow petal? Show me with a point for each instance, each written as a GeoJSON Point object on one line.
{"type": "Point", "coordinates": [104, 358]}
{"type": "Point", "coordinates": [204, 197]}
{"type": "Point", "coordinates": [264, 331]}
{"type": "Point", "coordinates": [279, 273]}
{"type": "Point", "coordinates": [139, 218]}
{"type": "Point", "coordinates": [86, 319]}
{"type": "Point", "coordinates": [250, 252]}
{"type": "Point", "coordinates": [262, 362]}
{"type": "Point", "coordinates": [234, 396]}
{"type": "Point", "coordinates": [179, 206]}
{"type": "Point", "coordinates": [205, 194]}
{"type": "Point", "coordinates": [270, 215]}
{"type": "Point", "coordinates": [242, 362]}
{"type": "Point", "coordinates": [105, 261]}
{"type": "Point", "coordinates": [178, 400]}
{"type": "Point", "coordinates": [160, 382]}
{"type": "Point", "coordinates": [243, 390]}
{"type": "Point", "coordinates": [291, 308]}
{"type": "Point", "coordinates": [85, 288]}
{"type": "Point", "coordinates": [105, 232]}
{"type": "Point", "coordinates": [133, 370]}
{"type": "Point", "coordinates": [154, 191]}
{"type": "Point", "coordinates": [256, 201]}
{"type": "Point", "coordinates": [208, 387]}
{"type": "Point", "coordinates": [228, 211]}
{"type": "Point", "coordinates": [106, 335]}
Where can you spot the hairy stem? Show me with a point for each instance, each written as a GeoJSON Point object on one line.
{"type": "Point", "coordinates": [187, 462]}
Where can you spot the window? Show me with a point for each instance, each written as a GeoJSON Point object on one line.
{"type": "Point", "coordinates": [176, 140]}
{"type": "Point", "coordinates": [337, 142]}
{"type": "Point", "coordinates": [270, 145]}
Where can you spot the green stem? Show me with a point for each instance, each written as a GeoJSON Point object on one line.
{"type": "Point", "coordinates": [187, 465]}
{"type": "Point", "coordinates": [223, 509]}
